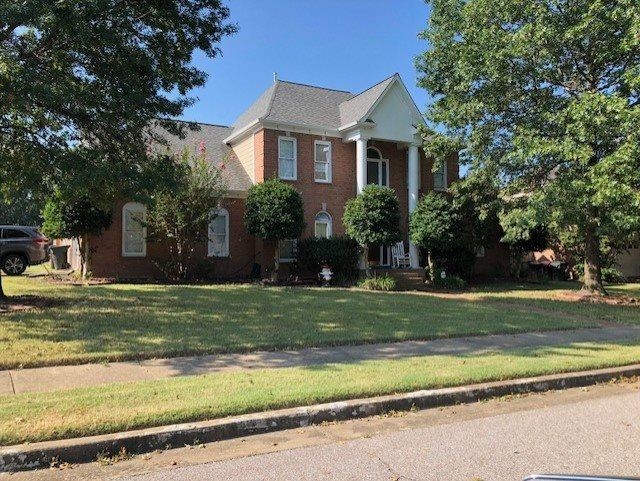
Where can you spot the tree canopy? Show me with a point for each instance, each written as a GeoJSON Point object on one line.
{"type": "Point", "coordinates": [546, 95]}
{"type": "Point", "coordinates": [274, 211]}
{"type": "Point", "coordinates": [80, 83]}
{"type": "Point", "coordinates": [373, 216]}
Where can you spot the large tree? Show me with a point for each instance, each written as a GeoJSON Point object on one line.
{"type": "Point", "coordinates": [547, 95]}
{"type": "Point", "coordinates": [80, 82]}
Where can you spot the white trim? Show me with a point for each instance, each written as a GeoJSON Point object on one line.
{"type": "Point", "coordinates": [329, 224]}
{"type": "Point", "coordinates": [221, 212]}
{"type": "Point", "coordinates": [300, 128]}
{"type": "Point", "coordinates": [329, 172]}
{"type": "Point", "coordinates": [295, 157]}
{"type": "Point", "coordinates": [134, 207]}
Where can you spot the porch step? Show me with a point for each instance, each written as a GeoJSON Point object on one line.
{"type": "Point", "coordinates": [406, 279]}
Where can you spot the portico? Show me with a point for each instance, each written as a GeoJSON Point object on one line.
{"type": "Point", "coordinates": [393, 117]}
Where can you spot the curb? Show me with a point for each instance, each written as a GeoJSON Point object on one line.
{"type": "Point", "coordinates": [81, 450]}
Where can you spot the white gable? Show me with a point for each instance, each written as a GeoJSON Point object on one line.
{"type": "Point", "coordinates": [395, 116]}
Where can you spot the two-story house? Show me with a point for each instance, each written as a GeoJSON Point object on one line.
{"type": "Point", "coordinates": [326, 143]}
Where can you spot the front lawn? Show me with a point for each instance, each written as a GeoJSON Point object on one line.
{"type": "Point", "coordinates": [120, 321]}
{"type": "Point", "coordinates": [88, 411]}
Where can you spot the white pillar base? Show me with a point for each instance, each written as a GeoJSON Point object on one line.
{"type": "Point", "coordinates": [414, 256]}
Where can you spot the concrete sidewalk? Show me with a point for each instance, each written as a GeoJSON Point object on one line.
{"type": "Point", "coordinates": [68, 377]}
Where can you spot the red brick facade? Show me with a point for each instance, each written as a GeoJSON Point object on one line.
{"type": "Point", "coordinates": [244, 250]}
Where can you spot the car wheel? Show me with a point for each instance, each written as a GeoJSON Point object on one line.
{"type": "Point", "coordinates": [14, 264]}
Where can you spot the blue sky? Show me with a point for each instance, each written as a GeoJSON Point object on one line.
{"type": "Point", "coordinates": [341, 44]}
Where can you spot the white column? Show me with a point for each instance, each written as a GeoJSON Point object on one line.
{"type": "Point", "coordinates": [413, 178]}
{"type": "Point", "coordinates": [361, 163]}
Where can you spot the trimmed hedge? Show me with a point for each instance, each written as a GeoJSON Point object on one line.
{"type": "Point", "coordinates": [340, 253]}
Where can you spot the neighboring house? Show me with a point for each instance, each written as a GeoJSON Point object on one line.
{"type": "Point", "coordinates": [326, 143]}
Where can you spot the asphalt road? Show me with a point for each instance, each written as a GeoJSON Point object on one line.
{"type": "Point", "coordinates": [586, 431]}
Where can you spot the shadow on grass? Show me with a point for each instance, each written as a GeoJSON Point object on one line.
{"type": "Point", "coordinates": [115, 322]}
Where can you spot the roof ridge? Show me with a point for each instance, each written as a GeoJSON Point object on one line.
{"type": "Point", "coordinates": [196, 122]}
{"type": "Point", "coordinates": [273, 96]}
{"type": "Point", "coordinates": [373, 86]}
{"type": "Point", "coordinates": [315, 86]}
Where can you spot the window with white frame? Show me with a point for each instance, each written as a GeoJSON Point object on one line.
{"type": "Point", "coordinates": [134, 232]}
{"type": "Point", "coordinates": [287, 158]}
{"type": "Point", "coordinates": [287, 250]}
{"type": "Point", "coordinates": [323, 225]}
{"type": "Point", "coordinates": [322, 164]}
{"type": "Point", "coordinates": [440, 178]}
{"type": "Point", "coordinates": [218, 245]}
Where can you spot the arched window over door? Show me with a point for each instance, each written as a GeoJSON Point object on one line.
{"type": "Point", "coordinates": [377, 168]}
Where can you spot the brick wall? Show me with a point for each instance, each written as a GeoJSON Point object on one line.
{"type": "Point", "coordinates": [108, 261]}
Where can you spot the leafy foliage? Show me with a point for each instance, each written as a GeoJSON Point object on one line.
{"type": "Point", "coordinates": [546, 96]}
{"type": "Point", "coordinates": [274, 211]}
{"type": "Point", "coordinates": [21, 209]}
{"type": "Point", "coordinates": [379, 283]}
{"type": "Point", "coordinates": [81, 82]}
{"type": "Point", "coordinates": [179, 215]}
{"type": "Point", "coordinates": [73, 216]}
{"type": "Point", "coordinates": [340, 253]}
{"type": "Point", "coordinates": [373, 217]}
{"type": "Point", "coordinates": [433, 222]}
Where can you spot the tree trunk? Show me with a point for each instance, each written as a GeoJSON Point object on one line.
{"type": "Point", "coordinates": [276, 267]}
{"type": "Point", "coordinates": [365, 261]}
{"type": "Point", "coordinates": [592, 264]}
{"type": "Point", "coordinates": [86, 265]}
{"type": "Point", "coordinates": [432, 267]}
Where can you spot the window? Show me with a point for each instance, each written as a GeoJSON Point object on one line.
{"type": "Point", "coordinates": [134, 233]}
{"type": "Point", "coordinates": [14, 234]}
{"type": "Point", "coordinates": [440, 178]}
{"type": "Point", "coordinates": [322, 164]}
{"type": "Point", "coordinates": [218, 245]}
{"type": "Point", "coordinates": [287, 158]}
{"type": "Point", "coordinates": [287, 250]}
{"type": "Point", "coordinates": [377, 168]}
{"type": "Point", "coordinates": [323, 225]}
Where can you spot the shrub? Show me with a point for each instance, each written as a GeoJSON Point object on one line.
{"type": "Point", "coordinates": [379, 283]}
{"type": "Point", "coordinates": [340, 253]}
{"type": "Point", "coordinates": [610, 275]}
{"type": "Point", "coordinates": [453, 283]}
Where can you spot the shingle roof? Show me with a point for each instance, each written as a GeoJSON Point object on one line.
{"type": "Point", "coordinates": [300, 104]}
{"type": "Point", "coordinates": [217, 152]}
{"type": "Point", "coordinates": [357, 107]}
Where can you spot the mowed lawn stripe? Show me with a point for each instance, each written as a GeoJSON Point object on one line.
{"type": "Point", "coordinates": [88, 411]}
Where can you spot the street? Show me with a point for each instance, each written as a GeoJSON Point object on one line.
{"type": "Point", "coordinates": [592, 430]}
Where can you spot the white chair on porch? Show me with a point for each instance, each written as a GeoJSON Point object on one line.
{"type": "Point", "coordinates": [398, 257]}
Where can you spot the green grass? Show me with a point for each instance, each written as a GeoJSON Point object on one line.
{"type": "Point", "coordinates": [88, 411]}
{"type": "Point", "coordinates": [117, 322]}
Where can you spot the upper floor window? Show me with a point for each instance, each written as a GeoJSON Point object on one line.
{"type": "Point", "coordinates": [134, 232]}
{"type": "Point", "coordinates": [323, 225]}
{"type": "Point", "coordinates": [218, 245]}
{"type": "Point", "coordinates": [322, 164]}
{"type": "Point", "coordinates": [440, 178]}
{"type": "Point", "coordinates": [287, 158]}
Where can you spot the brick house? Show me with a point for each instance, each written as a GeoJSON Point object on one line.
{"type": "Point", "coordinates": [326, 143]}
